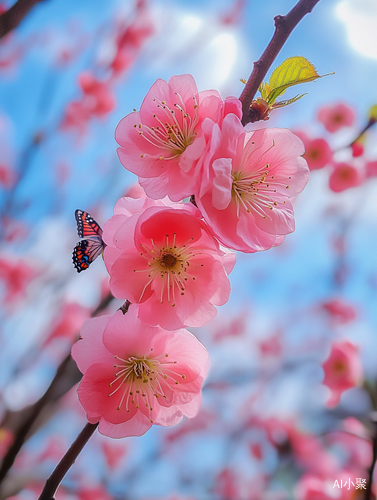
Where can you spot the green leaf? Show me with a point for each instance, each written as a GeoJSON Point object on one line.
{"type": "Point", "coordinates": [265, 90]}
{"type": "Point", "coordinates": [281, 104]}
{"type": "Point", "coordinates": [292, 71]}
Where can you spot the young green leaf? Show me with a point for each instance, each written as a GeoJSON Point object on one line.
{"type": "Point", "coordinates": [292, 71]}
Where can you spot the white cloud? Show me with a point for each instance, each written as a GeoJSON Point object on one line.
{"type": "Point", "coordinates": [360, 19]}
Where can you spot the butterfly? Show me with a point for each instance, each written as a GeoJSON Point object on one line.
{"type": "Point", "coordinates": [87, 250]}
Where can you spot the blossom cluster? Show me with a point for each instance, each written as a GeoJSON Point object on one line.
{"type": "Point", "coordinates": [170, 258]}
{"type": "Point", "coordinates": [349, 166]}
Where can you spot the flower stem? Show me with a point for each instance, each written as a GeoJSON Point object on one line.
{"type": "Point", "coordinates": [66, 462]}
{"type": "Point", "coordinates": [284, 25]}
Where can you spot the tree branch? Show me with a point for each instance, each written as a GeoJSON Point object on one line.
{"type": "Point", "coordinates": [284, 25]}
{"type": "Point", "coordinates": [66, 377]}
{"type": "Point", "coordinates": [10, 19]}
{"type": "Point", "coordinates": [66, 462]}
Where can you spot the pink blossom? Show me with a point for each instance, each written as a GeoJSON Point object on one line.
{"type": "Point", "coordinates": [345, 176]}
{"type": "Point", "coordinates": [76, 116]}
{"type": "Point", "coordinates": [310, 453]}
{"type": "Point", "coordinates": [354, 440]}
{"type": "Point", "coordinates": [371, 169]}
{"type": "Point", "coordinates": [93, 493]}
{"type": "Point", "coordinates": [318, 153]}
{"type": "Point", "coordinates": [342, 369]}
{"type": "Point", "coordinates": [227, 484]}
{"type": "Point", "coordinates": [16, 276]}
{"type": "Point", "coordinates": [7, 177]}
{"type": "Point", "coordinates": [235, 14]}
{"type": "Point", "coordinates": [272, 346]}
{"type": "Point", "coordinates": [357, 149]}
{"type": "Point", "coordinates": [98, 99]}
{"type": "Point", "coordinates": [14, 230]}
{"type": "Point", "coordinates": [136, 375]}
{"type": "Point", "coordinates": [54, 449]}
{"type": "Point", "coordinates": [131, 38]}
{"type": "Point", "coordinates": [164, 258]}
{"type": "Point", "coordinates": [135, 191]}
{"type": "Point", "coordinates": [256, 450]}
{"type": "Point", "coordinates": [203, 421]}
{"type": "Point", "coordinates": [163, 142]}
{"type": "Point", "coordinates": [113, 453]}
{"type": "Point", "coordinates": [340, 311]}
{"type": "Point", "coordinates": [313, 487]}
{"type": "Point", "coordinates": [235, 327]}
{"type": "Point", "coordinates": [336, 116]}
{"type": "Point", "coordinates": [247, 184]}
{"type": "Point", "coordinates": [67, 322]}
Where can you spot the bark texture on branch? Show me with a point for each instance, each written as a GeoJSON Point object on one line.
{"type": "Point", "coordinates": [66, 462]}
{"type": "Point", "coordinates": [10, 19]}
{"type": "Point", "coordinates": [283, 27]}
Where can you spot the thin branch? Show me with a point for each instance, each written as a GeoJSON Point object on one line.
{"type": "Point", "coordinates": [10, 19]}
{"type": "Point", "coordinates": [66, 462]}
{"type": "Point", "coordinates": [66, 377]}
{"type": "Point", "coordinates": [283, 27]}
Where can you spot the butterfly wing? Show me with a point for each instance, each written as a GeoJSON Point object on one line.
{"type": "Point", "coordinates": [87, 227]}
{"type": "Point", "coordinates": [86, 251]}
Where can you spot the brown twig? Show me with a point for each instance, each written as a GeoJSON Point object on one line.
{"type": "Point", "coordinates": [10, 19]}
{"type": "Point", "coordinates": [66, 462]}
{"type": "Point", "coordinates": [283, 27]}
{"type": "Point", "coordinates": [67, 375]}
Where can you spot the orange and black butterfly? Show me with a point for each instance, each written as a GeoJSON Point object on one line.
{"type": "Point", "coordinates": [87, 250]}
